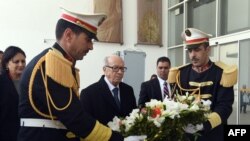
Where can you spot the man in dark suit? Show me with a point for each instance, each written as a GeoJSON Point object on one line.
{"type": "Point", "coordinates": [100, 100]}
{"type": "Point", "coordinates": [154, 88]}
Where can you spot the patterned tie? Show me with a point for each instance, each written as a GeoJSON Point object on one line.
{"type": "Point", "coordinates": [115, 91]}
{"type": "Point", "coordinates": [165, 90]}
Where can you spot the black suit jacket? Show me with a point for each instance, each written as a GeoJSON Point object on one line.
{"type": "Point", "coordinates": [149, 90]}
{"type": "Point", "coordinates": [98, 100]}
{"type": "Point", "coordinates": [9, 121]}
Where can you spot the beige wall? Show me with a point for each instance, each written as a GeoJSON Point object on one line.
{"type": "Point", "coordinates": [26, 23]}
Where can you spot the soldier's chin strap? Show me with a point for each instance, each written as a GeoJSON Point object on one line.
{"type": "Point", "coordinates": [193, 91]}
{"type": "Point", "coordinates": [198, 95]}
{"type": "Point", "coordinates": [32, 78]}
{"type": "Point", "coordinates": [48, 97]}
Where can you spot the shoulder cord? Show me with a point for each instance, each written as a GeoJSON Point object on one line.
{"type": "Point", "coordinates": [48, 97]}
{"type": "Point", "coordinates": [189, 90]}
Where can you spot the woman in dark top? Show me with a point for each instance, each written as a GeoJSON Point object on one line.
{"type": "Point", "coordinates": [13, 64]}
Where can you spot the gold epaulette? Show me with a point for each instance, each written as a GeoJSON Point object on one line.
{"type": "Point", "coordinates": [59, 69]}
{"type": "Point", "coordinates": [229, 75]}
{"type": "Point", "coordinates": [172, 74]}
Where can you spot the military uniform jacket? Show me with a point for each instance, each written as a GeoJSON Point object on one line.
{"type": "Point", "coordinates": [98, 100]}
{"type": "Point", "coordinates": [211, 88]}
{"type": "Point", "coordinates": [150, 90]}
{"type": "Point", "coordinates": [48, 93]}
{"type": "Point", "coordinates": [9, 121]}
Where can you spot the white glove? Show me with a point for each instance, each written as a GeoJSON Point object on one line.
{"type": "Point", "coordinates": [135, 138]}
{"type": "Point", "coordinates": [191, 129]}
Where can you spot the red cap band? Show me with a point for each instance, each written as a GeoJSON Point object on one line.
{"type": "Point", "coordinates": [80, 23]}
{"type": "Point", "coordinates": [197, 40]}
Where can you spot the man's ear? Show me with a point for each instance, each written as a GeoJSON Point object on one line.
{"type": "Point", "coordinates": [68, 34]}
{"type": "Point", "coordinates": [104, 68]}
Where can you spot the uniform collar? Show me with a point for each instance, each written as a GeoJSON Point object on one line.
{"type": "Point", "coordinates": [65, 55]}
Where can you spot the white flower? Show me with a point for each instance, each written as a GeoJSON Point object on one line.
{"type": "Point", "coordinates": [115, 124]}
{"type": "Point", "coordinates": [191, 98]}
{"type": "Point", "coordinates": [194, 107]}
{"type": "Point", "coordinates": [206, 104]}
{"type": "Point", "coordinates": [130, 120]}
{"type": "Point", "coordinates": [154, 103]}
{"type": "Point", "coordinates": [158, 120]}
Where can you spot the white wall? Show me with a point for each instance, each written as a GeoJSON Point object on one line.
{"type": "Point", "coordinates": [26, 23]}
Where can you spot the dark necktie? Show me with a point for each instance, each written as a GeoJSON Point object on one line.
{"type": "Point", "coordinates": [165, 90]}
{"type": "Point", "coordinates": [115, 91]}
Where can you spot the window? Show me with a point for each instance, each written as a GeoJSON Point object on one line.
{"type": "Point", "coordinates": [234, 19]}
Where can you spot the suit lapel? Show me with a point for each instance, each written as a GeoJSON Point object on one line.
{"type": "Point", "coordinates": [157, 88]}
{"type": "Point", "coordinates": [107, 95]}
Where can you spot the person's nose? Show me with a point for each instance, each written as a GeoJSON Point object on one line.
{"type": "Point", "coordinates": [90, 46]}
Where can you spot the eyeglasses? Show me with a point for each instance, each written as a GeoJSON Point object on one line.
{"type": "Point", "coordinates": [116, 69]}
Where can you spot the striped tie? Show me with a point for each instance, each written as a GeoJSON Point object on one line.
{"type": "Point", "coordinates": [165, 90]}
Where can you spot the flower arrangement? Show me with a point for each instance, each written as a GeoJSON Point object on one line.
{"type": "Point", "coordinates": [162, 121]}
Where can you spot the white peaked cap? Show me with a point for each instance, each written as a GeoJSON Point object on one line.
{"type": "Point", "coordinates": [193, 36]}
{"type": "Point", "coordinates": [81, 13]}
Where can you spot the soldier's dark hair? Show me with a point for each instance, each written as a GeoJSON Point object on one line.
{"type": "Point", "coordinates": [9, 53]}
{"type": "Point", "coordinates": [163, 59]}
{"type": "Point", "coordinates": [1, 52]}
{"type": "Point", "coordinates": [62, 25]}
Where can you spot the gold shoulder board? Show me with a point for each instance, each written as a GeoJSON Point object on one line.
{"type": "Point", "coordinates": [59, 69]}
{"type": "Point", "coordinates": [229, 75]}
{"type": "Point", "coordinates": [172, 74]}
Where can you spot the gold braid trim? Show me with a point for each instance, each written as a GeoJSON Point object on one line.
{"type": "Point", "coordinates": [214, 119]}
{"type": "Point", "coordinates": [100, 132]}
{"type": "Point", "coordinates": [188, 90]}
{"type": "Point", "coordinates": [59, 69]}
{"type": "Point", "coordinates": [32, 78]}
{"type": "Point", "coordinates": [203, 96]}
{"type": "Point", "coordinates": [229, 75]}
{"type": "Point", "coordinates": [53, 62]}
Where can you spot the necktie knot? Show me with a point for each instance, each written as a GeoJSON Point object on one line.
{"type": "Point", "coordinates": [115, 91]}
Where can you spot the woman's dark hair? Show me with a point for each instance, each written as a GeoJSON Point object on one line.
{"type": "Point", "coordinates": [9, 53]}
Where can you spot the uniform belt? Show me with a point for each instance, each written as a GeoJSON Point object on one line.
{"type": "Point", "coordinates": [44, 123]}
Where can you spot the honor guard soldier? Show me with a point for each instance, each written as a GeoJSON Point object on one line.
{"type": "Point", "coordinates": [205, 80]}
{"type": "Point", "coordinates": [50, 109]}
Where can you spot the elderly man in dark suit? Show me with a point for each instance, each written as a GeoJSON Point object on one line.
{"type": "Point", "coordinates": [156, 88]}
{"type": "Point", "coordinates": [109, 96]}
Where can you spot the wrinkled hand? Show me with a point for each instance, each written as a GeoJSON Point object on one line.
{"type": "Point", "coordinates": [191, 129]}
{"type": "Point", "coordinates": [135, 138]}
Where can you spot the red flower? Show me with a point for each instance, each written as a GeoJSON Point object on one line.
{"type": "Point", "coordinates": [156, 111]}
